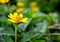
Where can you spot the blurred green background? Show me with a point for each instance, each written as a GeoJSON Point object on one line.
{"type": "Point", "coordinates": [42, 26]}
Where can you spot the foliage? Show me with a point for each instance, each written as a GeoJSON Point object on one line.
{"type": "Point", "coordinates": [38, 21]}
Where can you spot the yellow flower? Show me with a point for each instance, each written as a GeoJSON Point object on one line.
{"type": "Point", "coordinates": [20, 10]}
{"type": "Point", "coordinates": [4, 1]}
{"type": "Point", "coordinates": [17, 18]}
{"type": "Point", "coordinates": [20, 4]}
{"type": "Point", "coordinates": [33, 4]}
{"type": "Point", "coordinates": [35, 9]}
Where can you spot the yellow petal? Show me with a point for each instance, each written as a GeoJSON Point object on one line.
{"type": "Point", "coordinates": [20, 10]}
{"type": "Point", "coordinates": [2, 1]}
{"type": "Point", "coordinates": [7, 0]}
{"type": "Point", "coordinates": [33, 4]}
{"type": "Point", "coordinates": [11, 20]}
{"type": "Point", "coordinates": [24, 20]}
{"type": "Point", "coordinates": [15, 14]}
{"type": "Point", "coordinates": [20, 4]}
{"type": "Point", "coordinates": [10, 15]}
{"type": "Point", "coordinates": [21, 15]}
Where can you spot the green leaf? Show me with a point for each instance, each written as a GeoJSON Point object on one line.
{"type": "Point", "coordinates": [38, 31]}
{"type": "Point", "coordinates": [2, 39]}
{"type": "Point", "coordinates": [1, 28]}
{"type": "Point", "coordinates": [38, 41]}
{"type": "Point", "coordinates": [44, 27]}
{"type": "Point", "coordinates": [5, 39]}
{"type": "Point", "coordinates": [3, 9]}
{"type": "Point", "coordinates": [23, 26]}
{"type": "Point", "coordinates": [54, 17]}
{"type": "Point", "coordinates": [2, 18]}
{"type": "Point", "coordinates": [7, 31]}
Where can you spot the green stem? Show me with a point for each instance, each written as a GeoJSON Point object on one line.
{"type": "Point", "coordinates": [15, 33]}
